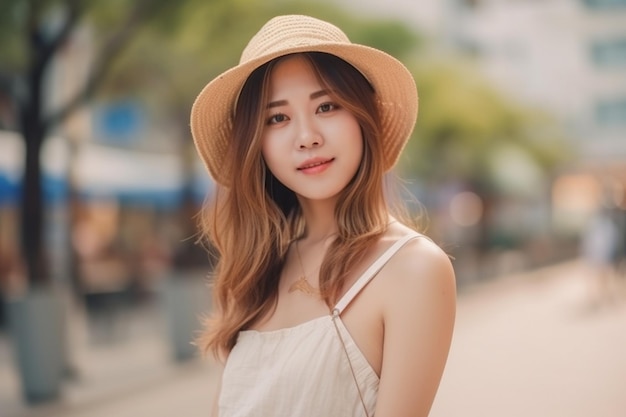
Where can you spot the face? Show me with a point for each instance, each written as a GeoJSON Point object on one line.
{"type": "Point", "coordinates": [310, 144]}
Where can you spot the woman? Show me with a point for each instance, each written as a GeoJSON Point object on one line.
{"type": "Point", "coordinates": [326, 304]}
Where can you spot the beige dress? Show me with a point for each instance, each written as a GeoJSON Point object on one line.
{"type": "Point", "coordinates": [303, 370]}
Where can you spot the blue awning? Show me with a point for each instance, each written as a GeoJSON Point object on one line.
{"type": "Point", "coordinates": [132, 177]}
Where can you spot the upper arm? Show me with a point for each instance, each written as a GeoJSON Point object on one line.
{"type": "Point", "coordinates": [418, 313]}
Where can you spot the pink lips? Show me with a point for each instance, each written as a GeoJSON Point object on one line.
{"type": "Point", "coordinates": [315, 165]}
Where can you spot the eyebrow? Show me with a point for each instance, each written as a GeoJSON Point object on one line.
{"type": "Point", "coordinates": [313, 96]}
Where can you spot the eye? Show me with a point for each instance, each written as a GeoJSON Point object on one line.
{"type": "Point", "coordinates": [276, 118]}
{"type": "Point", "coordinates": [326, 107]}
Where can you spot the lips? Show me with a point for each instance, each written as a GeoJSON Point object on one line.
{"type": "Point", "coordinates": [315, 166]}
{"type": "Point", "coordinates": [314, 162]}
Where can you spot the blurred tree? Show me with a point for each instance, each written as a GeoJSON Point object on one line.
{"type": "Point", "coordinates": [33, 33]}
{"type": "Point", "coordinates": [465, 123]}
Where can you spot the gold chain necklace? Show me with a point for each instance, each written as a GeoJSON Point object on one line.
{"type": "Point", "coordinates": [302, 284]}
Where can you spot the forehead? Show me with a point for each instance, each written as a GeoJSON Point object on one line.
{"type": "Point", "coordinates": [292, 73]}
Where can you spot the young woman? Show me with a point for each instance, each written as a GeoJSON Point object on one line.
{"type": "Point", "coordinates": [326, 304]}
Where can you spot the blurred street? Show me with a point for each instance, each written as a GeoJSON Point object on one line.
{"type": "Point", "coordinates": [531, 344]}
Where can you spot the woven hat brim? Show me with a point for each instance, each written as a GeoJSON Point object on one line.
{"type": "Point", "coordinates": [212, 111]}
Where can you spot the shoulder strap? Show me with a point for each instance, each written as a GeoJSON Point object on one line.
{"type": "Point", "coordinates": [371, 272]}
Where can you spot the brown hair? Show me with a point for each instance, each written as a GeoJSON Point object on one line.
{"type": "Point", "coordinates": [252, 247]}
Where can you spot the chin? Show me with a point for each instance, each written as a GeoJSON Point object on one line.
{"type": "Point", "coordinates": [319, 195]}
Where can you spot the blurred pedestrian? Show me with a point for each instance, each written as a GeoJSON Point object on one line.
{"type": "Point", "coordinates": [599, 249]}
{"type": "Point", "coordinates": [620, 257]}
{"type": "Point", "coordinates": [315, 269]}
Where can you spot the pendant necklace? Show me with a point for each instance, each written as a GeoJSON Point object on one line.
{"type": "Point", "coordinates": [302, 284]}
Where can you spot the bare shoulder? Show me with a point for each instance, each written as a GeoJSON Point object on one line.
{"type": "Point", "coordinates": [420, 264]}
{"type": "Point", "coordinates": [418, 279]}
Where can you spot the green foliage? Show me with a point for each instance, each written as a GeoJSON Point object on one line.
{"type": "Point", "coordinates": [463, 123]}
{"type": "Point", "coordinates": [12, 52]}
{"type": "Point", "coordinates": [391, 36]}
{"type": "Point", "coordinates": [15, 16]}
{"type": "Point", "coordinates": [28, 27]}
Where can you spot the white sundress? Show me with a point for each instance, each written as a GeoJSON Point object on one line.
{"type": "Point", "coordinates": [303, 371]}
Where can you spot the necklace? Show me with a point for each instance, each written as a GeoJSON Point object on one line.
{"type": "Point", "coordinates": [302, 284]}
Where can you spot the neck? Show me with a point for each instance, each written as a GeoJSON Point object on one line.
{"type": "Point", "coordinates": [319, 217]}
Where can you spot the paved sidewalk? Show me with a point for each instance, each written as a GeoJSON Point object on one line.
{"type": "Point", "coordinates": [534, 345]}
{"type": "Point", "coordinates": [525, 345]}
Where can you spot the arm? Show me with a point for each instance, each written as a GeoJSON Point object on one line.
{"type": "Point", "coordinates": [418, 314]}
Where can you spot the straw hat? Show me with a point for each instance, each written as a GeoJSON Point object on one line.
{"type": "Point", "coordinates": [212, 112]}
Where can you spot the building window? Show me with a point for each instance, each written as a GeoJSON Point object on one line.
{"type": "Point", "coordinates": [609, 53]}
{"type": "Point", "coordinates": [611, 112]}
{"type": "Point", "coordinates": [605, 4]}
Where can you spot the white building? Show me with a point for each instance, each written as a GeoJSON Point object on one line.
{"type": "Point", "coordinates": [567, 56]}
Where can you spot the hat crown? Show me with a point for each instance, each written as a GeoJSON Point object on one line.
{"type": "Point", "coordinates": [285, 32]}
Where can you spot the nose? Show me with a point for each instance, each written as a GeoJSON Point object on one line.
{"type": "Point", "coordinates": [308, 136]}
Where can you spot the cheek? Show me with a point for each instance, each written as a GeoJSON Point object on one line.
{"type": "Point", "coordinates": [356, 141]}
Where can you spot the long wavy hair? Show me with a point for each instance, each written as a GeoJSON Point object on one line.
{"type": "Point", "coordinates": [252, 223]}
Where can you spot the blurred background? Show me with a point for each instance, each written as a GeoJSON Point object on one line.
{"type": "Point", "coordinates": [517, 164]}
